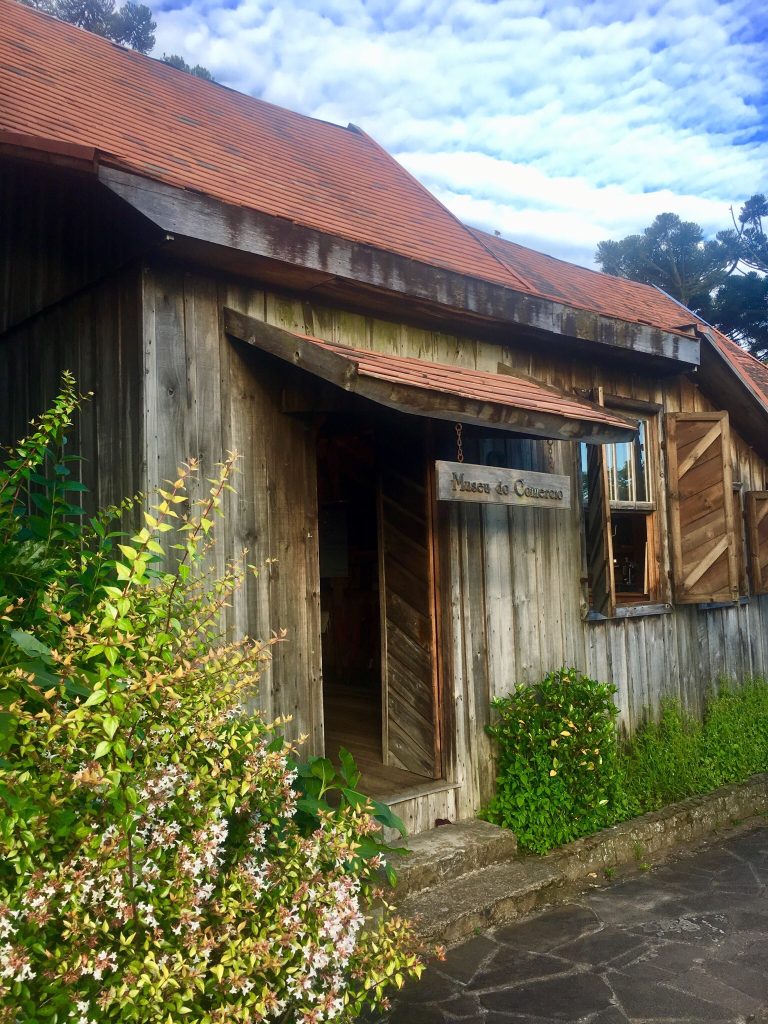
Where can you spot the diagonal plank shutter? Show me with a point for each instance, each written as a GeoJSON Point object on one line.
{"type": "Point", "coordinates": [409, 672]}
{"type": "Point", "coordinates": [599, 542]}
{"type": "Point", "coordinates": [757, 539]}
{"type": "Point", "coordinates": [705, 567]}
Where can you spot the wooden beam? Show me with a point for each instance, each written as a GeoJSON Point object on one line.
{"type": "Point", "coordinates": [193, 215]}
{"type": "Point", "coordinates": [339, 370]}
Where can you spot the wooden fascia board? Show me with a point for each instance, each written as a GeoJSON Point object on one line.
{"type": "Point", "coordinates": [30, 149]}
{"type": "Point", "coordinates": [194, 215]}
{"type": "Point", "coordinates": [341, 371]}
{"type": "Point", "coordinates": [723, 382]}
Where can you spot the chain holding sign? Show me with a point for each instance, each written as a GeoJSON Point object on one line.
{"type": "Point", "coordinates": [461, 481]}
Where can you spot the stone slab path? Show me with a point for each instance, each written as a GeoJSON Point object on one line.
{"type": "Point", "coordinates": [684, 943]}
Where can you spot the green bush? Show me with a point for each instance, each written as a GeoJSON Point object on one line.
{"type": "Point", "coordinates": [562, 774]}
{"type": "Point", "coordinates": [680, 756]}
{"type": "Point", "coordinates": [557, 759]}
{"type": "Point", "coordinates": [158, 861]}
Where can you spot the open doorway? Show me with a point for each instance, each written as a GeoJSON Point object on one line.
{"type": "Point", "coordinates": [376, 596]}
{"type": "Point", "coordinates": [349, 591]}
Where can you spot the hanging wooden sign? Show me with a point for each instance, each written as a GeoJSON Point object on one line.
{"type": "Point", "coordinates": [461, 481]}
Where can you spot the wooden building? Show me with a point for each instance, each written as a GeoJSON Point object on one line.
{"type": "Point", "coordinates": [464, 464]}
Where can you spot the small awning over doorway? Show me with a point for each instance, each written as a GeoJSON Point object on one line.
{"type": "Point", "coordinates": [439, 391]}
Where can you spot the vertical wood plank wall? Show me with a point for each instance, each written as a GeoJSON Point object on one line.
{"type": "Point", "coordinates": [53, 240]}
{"type": "Point", "coordinates": [207, 395]}
{"type": "Point", "coordinates": [173, 386]}
{"type": "Point", "coordinates": [94, 334]}
{"type": "Point", "coordinates": [512, 600]}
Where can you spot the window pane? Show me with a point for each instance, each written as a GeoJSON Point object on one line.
{"type": "Point", "coordinates": [641, 476]}
{"type": "Point", "coordinates": [624, 472]}
{"type": "Point", "coordinates": [610, 463]}
{"type": "Point", "coordinates": [583, 454]}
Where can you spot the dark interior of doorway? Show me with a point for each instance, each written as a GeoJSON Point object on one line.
{"type": "Point", "coordinates": [347, 459]}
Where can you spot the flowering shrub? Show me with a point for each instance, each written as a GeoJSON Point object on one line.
{"type": "Point", "coordinates": [154, 865]}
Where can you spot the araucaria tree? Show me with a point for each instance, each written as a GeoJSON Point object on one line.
{"type": "Point", "coordinates": [753, 244]}
{"type": "Point", "coordinates": [721, 279]}
{"type": "Point", "coordinates": [673, 255]}
{"type": "Point", "coordinates": [158, 863]}
{"type": "Point", "coordinates": [131, 25]}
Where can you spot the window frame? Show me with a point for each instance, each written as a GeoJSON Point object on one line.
{"type": "Point", "coordinates": [656, 598]}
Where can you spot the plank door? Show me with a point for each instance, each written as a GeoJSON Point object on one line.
{"type": "Point", "coordinates": [410, 730]}
{"type": "Point", "coordinates": [705, 567]}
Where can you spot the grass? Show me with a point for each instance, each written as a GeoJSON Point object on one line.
{"type": "Point", "coordinates": [680, 756]}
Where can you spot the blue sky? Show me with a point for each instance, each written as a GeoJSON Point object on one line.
{"type": "Point", "coordinates": [554, 123]}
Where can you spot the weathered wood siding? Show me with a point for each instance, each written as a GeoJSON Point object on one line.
{"type": "Point", "coordinates": [512, 591]}
{"type": "Point", "coordinates": [170, 385]}
{"type": "Point", "coordinates": [205, 396]}
{"type": "Point", "coordinates": [96, 335]}
{"type": "Point", "coordinates": [61, 232]}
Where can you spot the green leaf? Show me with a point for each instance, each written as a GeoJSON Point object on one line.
{"type": "Point", "coordinates": [322, 769]}
{"type": "Point", "coordinates": [349, 770]}
{"type": "Point", "coordinates": [73, 688]}
{"type": "Point", "coordinates": [387, 817]}
{"type": "Point", "coordinates": [102, 749]}
{"type": "Point", "coordinates": [310, 805]}
{"type": "Point", "coordinates": [354, 798]}
{"type": "Point", "coordinates": [110, 725]}
{"type": "Point", "coordinates": [30, 645]}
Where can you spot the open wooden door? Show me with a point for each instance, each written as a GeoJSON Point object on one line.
{"type": "Point", "coordinates": [757, 539]}
{"type": "Point", "coordinates": [410, 723]}
{"type": "Point", "coordinates": [701, 507]}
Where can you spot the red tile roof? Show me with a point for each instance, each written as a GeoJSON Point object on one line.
{"type": "Point", "coordinates": [77, 94]}
{"type": "Point", "coordinates": [64, 85]}
{"type": "Point", "coordinates": [589, 289]}
{"type": "Point", "coordinates": [617, 297]}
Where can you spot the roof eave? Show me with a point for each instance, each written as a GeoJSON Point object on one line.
{"type": "Point", "coordinates": [199, 217]}
{"type": "Point", "coordinates": [338, 369]}
{"type": "Point", "coordinates": [746, 407]}
{"type": "Point", "coordinates": [36, 149]}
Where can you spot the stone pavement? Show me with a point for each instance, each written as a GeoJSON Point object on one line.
{"type": "Point", "coordinates": [686, 942]}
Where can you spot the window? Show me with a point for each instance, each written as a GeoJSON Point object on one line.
{"type": "Point", "coordinates": [619, 522]}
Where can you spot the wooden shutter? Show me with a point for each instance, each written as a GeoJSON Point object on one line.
{"type": "Point", "coordinates": [409, 666]}
{"type": "Point", "coordinates": [757, 539]}
{"type": "Point", "coordinates": [704, 560]}
{"type": "Point", "coordinates": [598, 533]}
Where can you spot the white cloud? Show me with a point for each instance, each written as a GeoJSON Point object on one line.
{"type": "Point", "coordinates": [558, 124]}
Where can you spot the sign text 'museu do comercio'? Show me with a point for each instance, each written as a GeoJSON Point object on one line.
{"type": "Point", "coordinates": [460, 481]}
